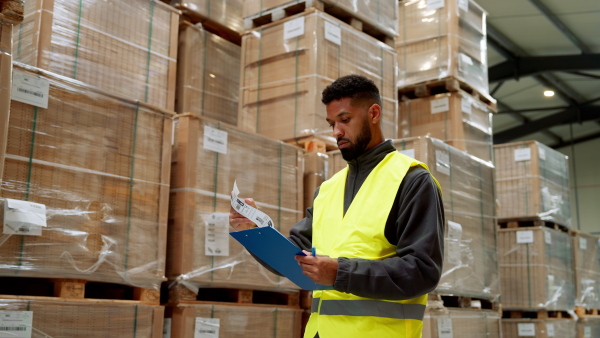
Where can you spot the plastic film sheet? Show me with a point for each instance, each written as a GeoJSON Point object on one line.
{"type": "Point", "coordinates": [208, 82]}
{"type": "Point", "coordinates": [102, 44]}
{"type": "Point", "coordinates": [588, 327]}
{"type": "Point", "coordinates": [227, 13]}
{"type": "Point", "coordinates": [586, 251]}
{"type": "Point", "coordinates": [527, 327]}
{"type": "Point", "coordinates": [283, 78]}
{"type": "Point", "coordinates": [467, 323]}
{"type": "Point", "coordinates": [532, 182]}
{"type": "Point", "coordinates": [267, 170]}
{"type": "Point", "coordinates": [100, 165]}
{"type": "Point", "coordinates": [5, 86]}
{"type": "Point", "coordinates": [536, 269]}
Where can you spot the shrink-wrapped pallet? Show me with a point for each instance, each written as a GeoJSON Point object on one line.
{"type": "Point", "coordinates": [532, 181]}
{"type": "Point", "coordinates": [455, 117]}
{"type": "Point", "coordinates": [470, 258]}
{"type": "Point", "coordinates": [11, 11]}
{"type": "Point", "coordinates": [215, 13]}
{"type": "Point", "coordinates": [233, 320]}
{"type": "Point", "coordinates": [315, 172]}
{"type": "Point", "coordinates": [536, 269]}
{"type": "Point", "coordinates": [284, 71]}
{"type": "Point", "coordinates": [58, 317]}
{"type": "Point", "coordinates": [380, 14]}
{"type": "Point", "coordinates": [438, 39]}
{"type": "Point", "coordinates": [5, 86]}
{"type": "Point", "coordinates": [463, 323]}
{"type": "Point", "coordinates": [588, 327]}
{"type": "Point", "coordinates": [100, 165]}
{"type": "Point", "coordinates": [209, 156]}
{"type": "Point", "coordinates": [543, 328]}
{"type": "Point", "coordinates": [586, 251]}
{"type": "Point", "coordinates": [128, 48]}
{"type": "Point", "coordinates": [208, 79]}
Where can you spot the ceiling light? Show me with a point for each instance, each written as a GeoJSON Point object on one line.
{"type": "Point", "coordinates": [548, 93]}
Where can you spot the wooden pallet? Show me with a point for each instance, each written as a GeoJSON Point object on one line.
{"type": "Point", "coordinates": [75, 289]}
{"type": "Point", "coordinates": [209, 24]}
{"type": "Point", "coordinates": [531, 222]}
{"type": "Point", "coordinates": [445, 85]}
{"type": "Point", "coordinates": [11, 11]}
{"type": "Point", "coordinates": [582, 312]}
{"type": "Point", "coordinates": [536, 314]}
{"type": "Point", "coordinates": [466, 302]}
{"type": "Point", "coordinates": [291, 9]}
{"type": "Point", "coordinates": [314, 143]}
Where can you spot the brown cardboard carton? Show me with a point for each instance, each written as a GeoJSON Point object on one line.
{"type": "Point", "coordinates": [464, 323]}
{"type": "Point", "coordinates": [588, 327]}
{"type": "Point", "coordinates": [226, 13]}
{"type": "Point", "coordinates": [100, 165]}
{"type": "Point", "coordinates": [587, 270]}
{"type": "Point", "coordinates": [5, 86]}
{"type": "Point", "coordinates": [315, 173]}
{"type": "Point", "coordinates": [103, 44]}
{"type": "Point", "coordinates": [542, 328]}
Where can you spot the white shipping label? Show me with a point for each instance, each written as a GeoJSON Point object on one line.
{"type": "Point", "coordinates": [454, 241]}
{"type": "Point", "coordinates": [435, 4]}
{"type": "Point", "coordinates": [582, 243]}
{"type": "Point", "coordinates": [207, 327]}
{"type": "Point", "coordinates": [523, 154]}
{"type": "Point", "coordinates": [408, 152]}
{"type": "Point", "coordinates": [333, 33]}
{"type": "Point", "coordinates": [465, 106]}
{"type": "Point", "coordinates": [16, 324]}
{"type": "Point", "coordinates": [30, 89]}
{"type": "Point", "coordinates": [526, 329]}
{"type": "Point", "coordinates": [442, 162]}
{"type": "Point", "coordinates": [167, 328]}
{"type": "Point", "coordinates": [293, 28]}
{"type": "Point", "coordinates": [542, 153]}
{"type": "Point", "coordinates": [258, 217]}
{"type": "Point", "coordinates": [440, 105]}
{"type": "Point", "coordinates": [23, 218]}
{"type": "Point", "coordinates": [215, 140]}
{"type": "Point", "coordinates": [464, 5]}
{"type": "Point", "coordinates": [587, 332]}
{"type": "Point", "coordinates": [216, 239]}
{"type": "Point", "coordinates": [550, 329]}
{"type": "Point", "coordinates": [445, 328]}
{"type": "Point", "coordinates": [525, 236]}
{"type": "Point", "coordinates": [548, 237]}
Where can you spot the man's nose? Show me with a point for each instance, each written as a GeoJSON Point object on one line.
{"type": "Point", "coordinates": [337, 131]}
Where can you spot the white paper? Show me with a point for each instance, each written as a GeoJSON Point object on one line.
{"type": "Point", "coordinates": [167, 328]}
{"type": "Point", "coordinates": [23, 218]}
{"type": "Point", "coordinates": [582, 243]}
{"type": "Point", "coordinates": [216, 239]}
{"type": "Point", "coordinates": [454, 237]}
{"type": "Point", "coordinates": [16, 324]}
{"type": "Point", "coordinates": [258, 217]}
{"type": "Point", "coordinates": [465, 106]}
{"type": "Point", "coordinates": [587, 332]}
{"type": "Point", "coordinates": [408, 152]}
{"type": "Point", "coordinates": [30, 89]}
{"type": "Point", "coordinates": [548, 237]}
{"type": "Point", "coordinates": [445, 328]}
{"type": "Point", "coordinates": [435, 4]}
{"type": "Point", "coordinates": [442, 162]}
{"type": "Point", "coordinates": [526, 329]}
{"type": "Point", "coordinates": [440, 105]}
{"type": "Point", "coordinates": [550, 329]}
{"type": "Point", "coordinates": [333, 33]}
{"type": "Point", "coordinates": [523, 154]}
{"type": "Point", "coordinates": [207, 327]}
{"type": "Point", "coordinates": [525, 236]}
{"type": "Point", "coordinates": [542, 153]}
{"type": "Point", "coordinates": [464, 5]}
{"type": "Point", "coordinates": [215, 140]}
{"type": "Point", "coordinates": [293, 28]}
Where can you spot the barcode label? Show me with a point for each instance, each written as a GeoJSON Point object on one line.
{"type": "Point", "coordinates": [13, 328]}
{"type": "Point", "coordinates": [30, 89]}
{"type": "Point", "coordinates": [30, 92]}
{"type": "Point", "coordinates": [16, 324]}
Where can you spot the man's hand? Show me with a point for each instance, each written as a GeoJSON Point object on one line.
{"type": "Point", "coordinates": [239, 222]}
{"type": "Point", "coordinates": [320, 269]}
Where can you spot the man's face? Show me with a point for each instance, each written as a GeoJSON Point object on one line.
{"type": "Point", "coordinates": [350, 127]}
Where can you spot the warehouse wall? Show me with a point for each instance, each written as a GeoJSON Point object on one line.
{"type": "Point", "coordinates": [587, 189]}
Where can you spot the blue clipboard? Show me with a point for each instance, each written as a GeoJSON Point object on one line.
{"type": "Point", "coordinates": [278, 252]}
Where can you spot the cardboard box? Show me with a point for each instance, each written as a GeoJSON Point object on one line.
{"type": "Point", "coordinates": [208, 79]}
{"type": "Point", "coordinates": [463, 323]}
{"type": "Point", "coordinates": [381, 14]}
{"type": "Point", "coordinates": [588, 327]}
{"type": "Point", "coordinates": [100, 165]}
{"type": "Point", "coordinates": [5, 87]}
{"type": "Point", "coordinates": [586, 250]}
{"type": "Point", "coordinates": [316, 171]}
{"type": "Point", "coordinates": [128, 48]}
{"type": "Point", "coordinates": [267, 170]}
{"type": "Point", "coordinates": [56, 317]}
{"type": "Point", "coordinates": [542, 328]}
{"type": "Point", "coordinates": [536, 269]}
{"type": "Point", "coordinates": [456, 118]}
{"type": "Point", "coordinates": [234, 320]}
{"type": "Point", "coordinates": [226, 13]}
{"type": "Point", "coordinates": [438, 42]}
{"type": "Point", "coordinates": [282, 79]}
{"type": "Point", "coordinates": [532, 181]}
{"type": "Point", "coordinates": [470, 257]}
{"type": "Point", "coordinates": [11, 11]}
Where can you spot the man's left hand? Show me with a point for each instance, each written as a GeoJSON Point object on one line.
{"type": "Point", "coordinates": [320, 269]}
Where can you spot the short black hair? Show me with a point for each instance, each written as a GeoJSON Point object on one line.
{"type": "Point", "coordinates": [356, 87]}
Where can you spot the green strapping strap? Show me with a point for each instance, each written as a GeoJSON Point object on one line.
{"type": "Point", "coordinates": [215, 186]}
{"type": "Point", "coordinates": [152, 4]}
{"type": "Point", "coordinates": [439, 39]}
{"type": "Point", "coordinates": [403, 145]}
{"type": "Point", "coordinates": [130, 197]}
{"type": "Point", "coordinates": [204, 70]}
{"type": "Point", "coordinates": [258, 78]}
{"type": "Point", "coordinates": [275, 315]}
{"type": "Point", "coordinates": [77, 39]}
{"type": "Point", "coordinates": [451, 185]}
{"type": "Point", "coordinates": [212, 311]}
{"type": "Point", "coordinates": [296, 90]}
{"type": "Point", "coordinates": [528, 276]}
{"type": "Point", "coordinates": [482, 218]}
{"type": "Point", "coordinates": [135, 320]}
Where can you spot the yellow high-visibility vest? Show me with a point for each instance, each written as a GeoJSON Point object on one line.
{"type": "Point", "coordinates": [360, 234]}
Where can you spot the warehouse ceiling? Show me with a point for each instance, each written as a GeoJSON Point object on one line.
{"type": "Point", "coordinates": [540, 45]}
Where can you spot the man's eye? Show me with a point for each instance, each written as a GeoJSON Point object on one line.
{"type": "Point", "coordinates": [345, 120]}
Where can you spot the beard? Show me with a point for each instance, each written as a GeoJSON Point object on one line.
{"type": "Point", "coordinates": [354, 149]}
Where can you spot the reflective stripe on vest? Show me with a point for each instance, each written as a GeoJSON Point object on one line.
{"type": "Point", "coordinates": [374, 308]}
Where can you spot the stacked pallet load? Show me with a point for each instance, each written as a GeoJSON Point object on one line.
{"type": "Point", "coordinates": [586, 250]}
{"type": "Point", "coordinates": [444, 319]}
{"type": "Point", "coordinates": [5, 86]}
{"type": "Point", "coordinates": [588, 327]}
{"type": "Point", "coordinates": [538, 327]}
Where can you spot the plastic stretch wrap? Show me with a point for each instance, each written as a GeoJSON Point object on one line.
{"type": "Point", "coordinates": [208, 80]}
{"type": "Point", "coordinates": [316, 170]}
{"type": "Point", "coordinates": [282, 79]}
{"type": "Point", "coordinates": [437, 42]}
{"type": "Point", "coordinates": [103, 44]}
{"type": "Point", "coordinates": [532, 181]}
{"type": "Point", "coordinates": [200, 250]}
{"type": "Point", "coordinates": [586, 251]}
{"type": "Point", "coordinates": [5, 86]}
{"type": "Point", "coordinates": [98, 318]}
{"type": "Point", "coordinates": [470, 257]}
{"type": "Point", "coordinates": [381, 14]}
{"type": "Point", "coordinates": [100, 165]}
{"type": "Point", "coordinates": [229, 321]}
{"type": "Point", "coordinates": [12, 10]}
{"type": "Point", "coordinates": [226, 13]}
{"type": "Point", "coordinates": [588, 327]}
{"type": "Point", "coordinates": [456, 118]}
{"type": "Point", "coordinates": [536, 269]}
{"type": "Point", "coordinates": [463, 323]}
{"type": "Point", "coordinates": [543, 328]}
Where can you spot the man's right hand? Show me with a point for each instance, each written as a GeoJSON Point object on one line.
{"type": "Point", "coordinates": [239, 222]}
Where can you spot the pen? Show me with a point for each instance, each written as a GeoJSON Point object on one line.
{"type": "Point", "coordinates": [314, 251]}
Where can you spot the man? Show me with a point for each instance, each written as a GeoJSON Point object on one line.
{"type": "Point", "coordinates": [377, 226]}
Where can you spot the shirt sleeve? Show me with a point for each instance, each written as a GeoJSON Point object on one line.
{"type": "Point", "coordinates": [416, 227]}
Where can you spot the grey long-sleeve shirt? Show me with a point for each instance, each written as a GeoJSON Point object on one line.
{"type": "Point", "coordinates": [415, 225]}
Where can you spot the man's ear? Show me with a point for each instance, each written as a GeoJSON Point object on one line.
{"type": "Point", "coordinates": [374, 113]}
